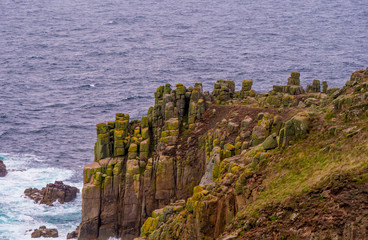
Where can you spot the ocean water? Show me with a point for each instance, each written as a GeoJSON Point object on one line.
{"type": "Point", "coordinates": [67, 65]}
{"type": "Point", "coordinates": [20, 215]}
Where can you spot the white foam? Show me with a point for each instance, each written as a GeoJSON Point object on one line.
{"type": "Point", "coordinates": [19, 214]}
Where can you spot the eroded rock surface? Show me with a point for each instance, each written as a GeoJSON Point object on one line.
{"type": "Point", "coordinates": [45, 232]}
{"type": "Point", "coordinates": [52, 192]}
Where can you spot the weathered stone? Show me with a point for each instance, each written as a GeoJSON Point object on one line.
{"type": "Point", "coordinates": [296, 90]}
{"type": "Point", "coordinates": [263, 129]}
{"type": "Point", "coordinates": [45, 232]}
{"type": "Point", "coordinates": [144, 146]}
{"type": "Point", "coordinates": [295, 127]}
{"type": "Point", "coordinates": [246, 122]}
{"type": "Point", "coordinates": [259, 134]}
{"type": "Point", "coordinates": [3, 170]}
{"type": "Point", "coordinates": [273, 100]}
{"type": "Point", "coordinates": [290, 89]}
{"type": "Point", "coordinates": [233, 127]}
{"type": "Point", "coordinates": [172, 124]}
{"type": "Point", "coordinates": [53, 192]}
{"type": "Point", "coordinates": [224, 90]}
{"type": "Point", "coordinates": [294, 79]}
{"type": "Point", "coordinates": [315, 87]}
{"type": "Point", "coordinates": [270, 142]}
{"type": "Point", "coordinates": [247, 85]}
{"type": "Point", "coordinates": [324, 87]}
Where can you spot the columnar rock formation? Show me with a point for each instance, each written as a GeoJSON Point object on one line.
{"type": "Point", "coordinates": [188, 168]}
{"type": "Point", "coordinates": [139, 166]}
{"type": "Point", "coordinates": [293, 86]}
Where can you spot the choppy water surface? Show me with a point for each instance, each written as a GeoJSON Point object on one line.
{"type": "Point", "coordinates": [67, 65]}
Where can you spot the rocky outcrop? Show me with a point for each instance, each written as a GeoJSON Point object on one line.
{"type": "Point", "coordinates": [45, 232]}
{"type": "Point", "coordinates": [3, 170]}
{"type": "Point", "coordinates": [293, 86]}
{"type": "Point", "coordinates": [199, 164]}
{"type": "Point", "coordinates": [143, 165]}
{"type": "Point", "coordinates": [52, 192]}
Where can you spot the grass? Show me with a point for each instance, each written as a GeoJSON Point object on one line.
{"type": "Point", "coordinates": [308, 162]}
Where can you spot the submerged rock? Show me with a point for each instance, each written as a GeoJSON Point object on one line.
{"type": "Point", "coordinates": [3, 170]}
{"type": "Point", "coordinates": [53, 191]}
{"type": "Point", "coordinates": [45, 232]}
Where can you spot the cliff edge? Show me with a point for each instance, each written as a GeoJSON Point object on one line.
{"type": "Point", "coordinates": [233, 165]}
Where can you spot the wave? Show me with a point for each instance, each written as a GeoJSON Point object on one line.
{"type": "Point", "coordinates": [20, 215]}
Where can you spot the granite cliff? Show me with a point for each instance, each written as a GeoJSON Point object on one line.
{"type": "Point", "coordinates": [287, 164]}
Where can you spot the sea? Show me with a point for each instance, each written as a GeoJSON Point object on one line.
{"type": "Point", "coordinates": [67, 65]}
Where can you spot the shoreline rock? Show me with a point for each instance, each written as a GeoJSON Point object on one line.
{"type": "Point", "coordinates": [3, 170]}
{"type": "Point", "coordinates": [57, 191]}
{"type": "Point", "coordinates": [45, 232]}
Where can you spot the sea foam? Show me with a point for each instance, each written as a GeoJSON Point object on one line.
{"type": "Point", "coordinates": [19, 215]}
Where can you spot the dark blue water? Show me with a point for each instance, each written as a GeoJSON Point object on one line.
{"type": "Point", "coordinates": [67, 65]}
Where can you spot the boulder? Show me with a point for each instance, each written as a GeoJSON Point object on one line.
{"type": "Point", "coordinates": [296, 127]}
{"type": "Point", "coordinates": [3, 170]}
{"type": "Point", "coordinates": [53, 191]}
{"type": "Point", "coordinates": [270, 142]}
{"type": "Point", "coordinates": [45, 232]}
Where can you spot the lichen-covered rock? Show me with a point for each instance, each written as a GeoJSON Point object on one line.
{"type": "Point", "coordinates": [295, 127]}
{"type": "Point", "coordinates": [270, 142]}
{"type": "Point", "coordinates": [247, 85]}
{"type": "Point", "coordinates": [294, 79]}
{"type": "Point", "coordinates": [293, 86]}
{"type": "Point", "coordinates": [314, 88]}
{"type": "Point", "coordinates": [263, 129]}
{"type": "Point", "coordinates": [223, 90]}
{"type": "Point", "coordinates": [324, 87]}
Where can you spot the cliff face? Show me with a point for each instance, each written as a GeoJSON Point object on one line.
{"type": "Point", "coordinates": [143, 165]}
{"type": "Point", "coordinates": [231, 164]}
